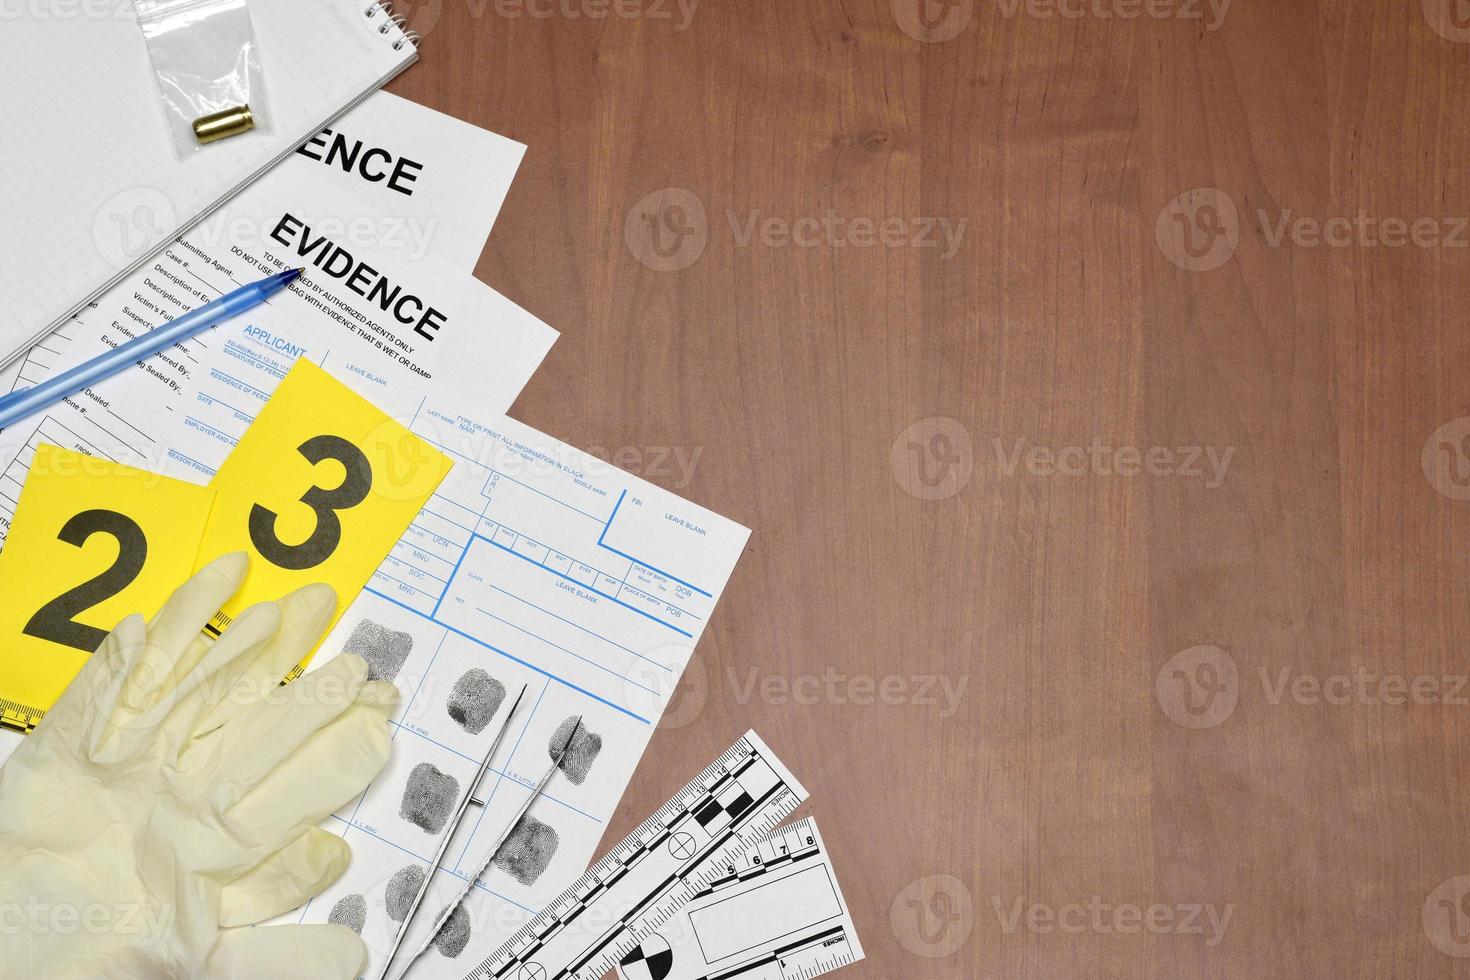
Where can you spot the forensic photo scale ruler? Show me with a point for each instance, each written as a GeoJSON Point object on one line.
{"type": "Point", "coordinates": [695, 838]}
{"type": "Point", "coordinates": [775, 914]}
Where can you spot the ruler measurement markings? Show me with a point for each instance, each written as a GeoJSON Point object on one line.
{"type": "Point", "coordinates": [777, 791]}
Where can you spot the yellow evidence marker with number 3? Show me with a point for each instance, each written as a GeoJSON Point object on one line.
{"type": "Point", "coordinates": [319, 490]}
{"type": "Point", "coordinates": [92, 542]}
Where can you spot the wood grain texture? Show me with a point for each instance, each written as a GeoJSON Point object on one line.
{"type": "Point", "coordinates": [1323, 823]}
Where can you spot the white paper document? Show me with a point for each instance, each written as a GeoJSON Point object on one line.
{"type": "Point", "coordinates": [533, 564]}
{"type": "Point", "coordinates": [436, 183]}
{"type": "Point", "coordinates": [390, 326]}
{"type": "Point", "coordinates": [443, 179]}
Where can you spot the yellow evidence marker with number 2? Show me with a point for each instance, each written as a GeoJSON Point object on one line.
{"type": "Point", "coordinates": [319, 490]}
{"type": "Point", "coordinates": [92, 542]}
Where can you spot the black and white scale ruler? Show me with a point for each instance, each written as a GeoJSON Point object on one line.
{"type": "Point", "coordinates": [776, 914]}
{"type": "Point", "coordinates": [695, 841]}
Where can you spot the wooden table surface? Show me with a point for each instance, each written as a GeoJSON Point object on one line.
{"type": "Point", "coordinates": [1093, 374]}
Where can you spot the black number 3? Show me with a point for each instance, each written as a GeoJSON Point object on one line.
{"type": "Point", "coordinates": [55, 621]}
{"type": "Point", "coordinates": [328, 533]}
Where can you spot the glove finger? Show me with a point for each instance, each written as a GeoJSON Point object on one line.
{"type": "Point", "coordinates": [174, 633]}
{"type": "Point", "coordinates": [305, 615]}
{"type": "Point", "coordinates": [76, 712]}
{"type": "Point", "coordinates": [131, 639]}
{"type": "Point", "coordinates": [324, 952]}
{"type": "Point", "coordinates": [216, 663]}
{"type": "Point", "coordinates": [334, 766]}
{"type": "Point", "coordinates": [286, 880]}
{"type": "Point", "coordinates": [149, 706]}
{"type": "Point", "coordinates": [254, 742]}
{"type": "Point", "coordinates": [187, 611]}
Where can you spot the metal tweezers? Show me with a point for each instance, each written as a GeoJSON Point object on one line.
{"type": "Point", "coordinates": [470, 797]}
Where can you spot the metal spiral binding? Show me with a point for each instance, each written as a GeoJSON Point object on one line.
{"type": "Point", "coordinates": [385, 7]}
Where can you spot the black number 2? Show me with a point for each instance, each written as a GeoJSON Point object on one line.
{"type": "Point", "coordinates": [55, 621]}
{"type": "Point", "coordinates": [328, 533]}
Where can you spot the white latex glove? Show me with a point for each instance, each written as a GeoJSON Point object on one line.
{"type": "Point", "coordinates": [172, 796]}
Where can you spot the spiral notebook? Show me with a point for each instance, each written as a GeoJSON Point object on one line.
{"type": "Point", "coordinates": [93, 185]}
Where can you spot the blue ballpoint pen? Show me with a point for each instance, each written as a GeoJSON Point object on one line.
{"type": "Point", "coordinates": [17, 405]}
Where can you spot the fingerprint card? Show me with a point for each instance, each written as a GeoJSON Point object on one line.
{"type": "Point", "coordinates": [534, 564]}
{"type": "Point", "coordinates": [464, 699]}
